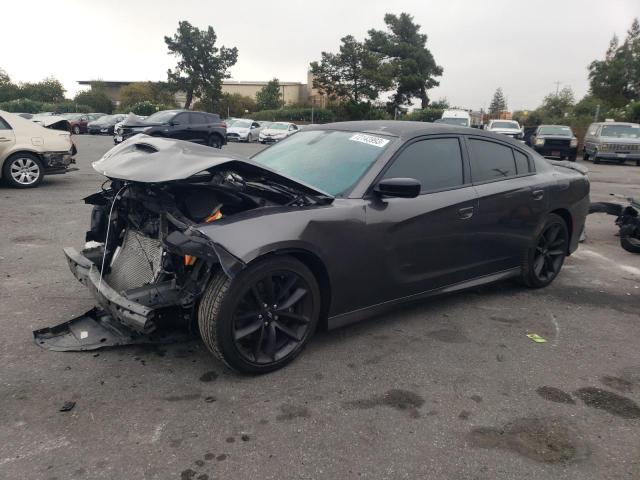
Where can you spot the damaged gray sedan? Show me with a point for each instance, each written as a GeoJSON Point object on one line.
{"type": "Point", "coordinates": [330, 226]}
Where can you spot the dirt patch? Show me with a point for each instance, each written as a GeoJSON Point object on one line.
{"type": "Point", "coordinates": [208, 376]}
{"type": "Point", "coordinates": [289, 412]}
{"type": "Point", "coordinates": [448, 336]}
{"type": "Point", "coordinates": [617, 383]}
{"type": "Point", "coordinates": [544, 440]}
{"type": "Point", "coordinates": [508, 321]}
{"type": "Point", "coordinates": [403, 400]}
{"type": "Point", "coordinates": [182, 398]}
{"type": "Point", "coordinates": [584, 297]}
{"type": "Point", "coordinates": [608, 401]}
{"type": "Point", "coordinates": [554, 394]}
{"type": "Point", "coordinates": [30, 240]}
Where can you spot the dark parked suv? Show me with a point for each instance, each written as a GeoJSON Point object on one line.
{"type": "Point", "coordinates": [199, 127]}
{"type": "Point", "coordinates": [554, 141]}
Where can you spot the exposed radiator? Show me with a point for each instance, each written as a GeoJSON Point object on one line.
{"type": "Point", "coordinates": [136, 263]}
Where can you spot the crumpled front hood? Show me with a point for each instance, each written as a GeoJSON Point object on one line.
{"type": "Point", "coordinates": [147, 159]}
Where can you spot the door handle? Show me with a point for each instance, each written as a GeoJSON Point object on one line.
{"type": "Point", "coordinates": [3, 139]}
{"type": "Point", "coordinates": [465, 213]}
{"type": "Point", "coordinates": [537, 194]}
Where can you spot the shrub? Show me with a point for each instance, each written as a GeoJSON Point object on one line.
{"type": "Point", "coordinates": [145, 108]}
{"type": "Point", "coordinates": [98, 100]}
{"type": "Point", "coordinates": [424, 115]}
{"type": "Point", "coordinates": [320, 115]}
{"type": "Point", "coordinates": [22, 105]}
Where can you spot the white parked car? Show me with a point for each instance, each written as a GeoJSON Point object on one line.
{"type": "Point", "coordinates": [277, 131]}
{"type": "Point", "coordinates": [244, 130]}
{"type": "Point", "coordinates": [456, 117]}
{"type": "Point", "coordinates": [510, 128]}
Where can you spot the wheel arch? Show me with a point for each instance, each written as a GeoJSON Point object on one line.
{"type": "Point", "coordinates": [568, 220]}
{"type": "Point", "coordinates": [319, 270]}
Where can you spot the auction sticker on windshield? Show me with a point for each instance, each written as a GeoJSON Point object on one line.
{"type": "Point", "coordinates": [369, 139]}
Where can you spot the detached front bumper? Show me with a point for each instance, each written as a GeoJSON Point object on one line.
{"type": "Point", "coordinates": [130, 313]}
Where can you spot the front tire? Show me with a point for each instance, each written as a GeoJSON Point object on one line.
{"type": "Point", "coordinates": [23, 170]}
{"type": "Point", "coordinates": [261, 319]}
{"type": "Point", "coordinates": [543, 261]}
{"type": "Point", "coordinates": [214, 141]}
{"type": "Point", "coordinates": [76, 130]}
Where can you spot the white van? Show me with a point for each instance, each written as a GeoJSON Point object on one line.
{"type": "Point", "coordinates": [456, 117]}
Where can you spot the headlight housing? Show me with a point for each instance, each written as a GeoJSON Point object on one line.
{"type": "Point", "coordinates": [539, 142]}
{"type": "Point", "coordinates": [574, 142]}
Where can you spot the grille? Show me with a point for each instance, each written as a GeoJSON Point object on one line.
{"type": "Point", "coordinates": [554, 142]}
{"type": "Point", "coordinates": [136, 263]}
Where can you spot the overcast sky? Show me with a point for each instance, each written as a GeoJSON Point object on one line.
{"type": "Point", "coordinates": [524, 47]}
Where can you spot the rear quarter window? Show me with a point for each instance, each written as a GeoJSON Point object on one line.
{"type": "Point", "coordinates": [491, 161]}
{"type": "Point", "coordinates": [4, 125]}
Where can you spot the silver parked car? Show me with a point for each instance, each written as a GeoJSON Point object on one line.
{"type": "Point", "coordinates": [612, 141]}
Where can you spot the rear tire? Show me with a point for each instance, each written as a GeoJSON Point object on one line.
{"type": "Point", "coordinates": [23, 170]}
{"type": "Point", "coordinates": [585, 156]}
{"type": "Point", "coordinates": [544, 259]}
{"type": "Point", "coordinates": [261, 319]}
{"type": "Point", "coordinates": [76, 130]}
{"type": "Point", "coordinates": [630, 244]}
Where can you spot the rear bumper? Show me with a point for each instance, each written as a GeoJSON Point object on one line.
{"type": "Point", "coordinates": [134, 315]}
{"type": "Point", "coordinates": [556, 151]}
{"type": "Point", "coordinates": [58, 162]}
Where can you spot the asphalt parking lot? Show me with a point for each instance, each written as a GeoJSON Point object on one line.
{"type": "Point", "coordinates": [451, 388]}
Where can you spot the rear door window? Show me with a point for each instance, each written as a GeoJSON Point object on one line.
{"type": "Point", "coordinates": [491, 161]}
{"type": "Point", "coordinates": [436, 163]}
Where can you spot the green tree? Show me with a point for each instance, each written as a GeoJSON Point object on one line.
{"type": "Point", "coordinates": [354, 74]}
{"type": "Point", "coordinates": [413, 66]}
{"type": "Point", "coordinates": [135, 92]}
{"type": "Point", "coordinates": [558, 105]}
{"type": "Point", "coordinates": [8, 89]}
{"type": "Point", "coordinates": [270, 96]}
{"type": "Point", "coordinates": [616, 79]}
{"type": "Point", "coordinates": [229, 104]}
{"type": "Point", "coordinates": [96, 98]}
{"type": "Point", "coordinates": [201, 65]}
{"type": "Point", "coordinates": [498, 102]}
{"type": "Point", "coordinates": [47, 90]}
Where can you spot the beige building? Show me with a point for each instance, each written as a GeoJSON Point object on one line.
{"type": "Point", "coordinates": [292, 92]}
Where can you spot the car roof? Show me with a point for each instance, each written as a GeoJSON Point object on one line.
{"type": "Point", "coordinates": [628, 124]}
{"type": "Point", "coordinates": [408, 129]}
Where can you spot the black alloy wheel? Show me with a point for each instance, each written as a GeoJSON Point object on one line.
{"type": "Point", "coordinates": [544, 261]}
{"type": "Point", "coordinates": [260, 320]}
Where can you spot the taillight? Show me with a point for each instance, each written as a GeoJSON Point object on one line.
{"type": "Point", "coordinates": [224, 125]}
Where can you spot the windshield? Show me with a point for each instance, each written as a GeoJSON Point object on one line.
{"type": "Point", "coordinates": [160, 117]}
{"type": "Point", "coordinates": [328, 160]}
{"type": "Point", "coordinates": [621, 131]}
{"type": "Point", "coordinates": [242, 123]}
{"type": "Point", "coordinates": [455, 121]}
{"type": "Point", "coordinates": [556, 130]}
{"type": "Point", "coordinates": [279, 126]}
{"type": "Point", "coordinates": [505, 125]}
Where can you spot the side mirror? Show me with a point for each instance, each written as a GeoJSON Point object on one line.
{"type": "Point", "coordinates": [398, 187]}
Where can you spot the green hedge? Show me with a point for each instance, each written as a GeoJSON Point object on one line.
{"type": "Point", "coordinates": [26, 105]}
{"type": "Point", "coordinates": [424, 115]}
{"type": "Point", "coordinates": [320, 115]}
